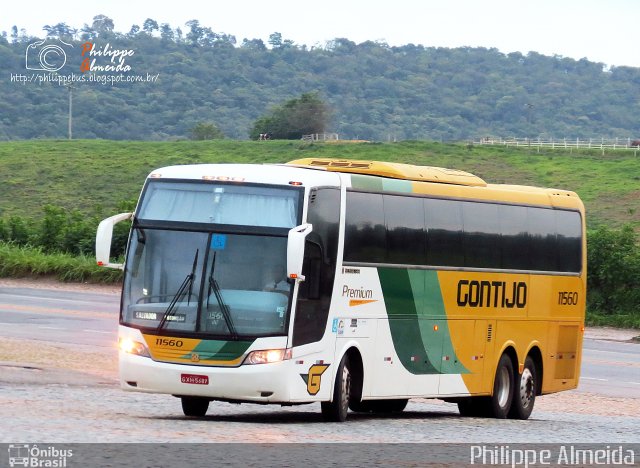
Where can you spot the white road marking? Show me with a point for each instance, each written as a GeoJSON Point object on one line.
{"type": "Point", "coordinates": [98, 331]}
{"type": "Point", "coordinates": [593, 378]}
{"type": "Point", "coordinates": [51, 328]}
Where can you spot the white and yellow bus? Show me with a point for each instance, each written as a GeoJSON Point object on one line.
{"type": "Point", "coordinates": [357, 284]}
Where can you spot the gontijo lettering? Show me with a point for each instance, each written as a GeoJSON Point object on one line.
{"type": "Point", "coordinates": [492, 294]}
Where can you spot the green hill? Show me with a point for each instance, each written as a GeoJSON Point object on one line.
{"type": "Point", "coordinates": [375, 91]}
{"type": "Point", "coordinates": [94, 176]}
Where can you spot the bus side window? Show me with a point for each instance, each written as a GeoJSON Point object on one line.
{"type": "Point", "coordinates": [312, 271]}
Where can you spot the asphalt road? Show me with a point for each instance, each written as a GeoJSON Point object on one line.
{"type": "Point", "coordinates": [59, 316]}
{"type": "Point", "coordinates": [77, 399]}
{"type": "Point", "coordinates": [609, 368]}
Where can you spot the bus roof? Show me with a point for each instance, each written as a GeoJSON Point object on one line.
{"type": "Point", "coordinates": [394, 171]}
{"type": "Point", "coordinates": [441, 182]}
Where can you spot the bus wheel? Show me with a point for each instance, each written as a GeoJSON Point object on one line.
{"type": "Point", "coordinates": [337, 409]}
{"type": "Point", "coordinates": [524, 391]}
{"type": "Point", "coordinates": [500, 402]}
{"type": "Point", "coordinates": [194, 406]}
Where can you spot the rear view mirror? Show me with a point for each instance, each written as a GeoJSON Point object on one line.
{"type": "Point", "coordinates": [103, 240]}
{"type": "Point", "coordinates": [295, 250]}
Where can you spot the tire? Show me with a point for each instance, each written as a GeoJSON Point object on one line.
{"type": "Point", "coordinates": [194, 406]}
{"type": "Point", "coordinates": [524, 391]}
{"type": "Point", "coordinates": [337, 409]}
{"type": "Point", "coordinates": [500, 401]}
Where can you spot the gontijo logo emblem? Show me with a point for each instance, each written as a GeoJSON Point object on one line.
{"type": "Point", "coordinates": [312, 379]}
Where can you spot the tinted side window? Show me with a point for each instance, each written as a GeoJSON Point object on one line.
{"type": "Point", "coordinates": [444, 232]}
{"type": "Point", "coordinates": [541, 225]}
{"type": "Point", "coordinates": [481, 235]}
{"type": "Point", "coordinates": [569, 242]}
{"type": "Point", "coordinates": [319, 267]}
{"type": "Point", "coordinates": [515, 240]}
{"type": "Point", "coordinates": [365, 236]}
{"type": "Point", "coordinates": [404, 219]}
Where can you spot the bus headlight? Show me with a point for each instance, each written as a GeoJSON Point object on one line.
{"type": "Point", "coordinates": [266, 356]}
{"type": "Point", "coordinates": [130, 346]}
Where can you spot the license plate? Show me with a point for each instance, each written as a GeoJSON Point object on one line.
{"type": "Point", "coordinates": [194, 379]}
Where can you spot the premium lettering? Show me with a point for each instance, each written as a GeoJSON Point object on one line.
{"type": "Point", "coordinates": [356, 293]}
{"type": "Point", "coordinates": [492, 294]}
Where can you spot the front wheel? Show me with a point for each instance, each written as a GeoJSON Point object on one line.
{"type": "Point", "coordinates": [524, 391]}
{"type": "Point", "coordinates": [194, 406]}
{"type": "Point", "coordinates": [337, 409]}
{"type": "Point", "coordinates": [500, 401]}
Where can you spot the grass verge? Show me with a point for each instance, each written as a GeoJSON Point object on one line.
{"type": "Point", "coordinates": [18, 262]}
{"type": "Point", "coordinates": [622, 320]}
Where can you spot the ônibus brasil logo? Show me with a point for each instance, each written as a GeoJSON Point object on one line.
{"type": "Point", "coordinates": [34, 456]}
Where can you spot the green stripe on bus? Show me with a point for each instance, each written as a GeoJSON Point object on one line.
{"type": "Point", "coordinates": [219, 350]}
{"type": "Point", "coordinates": [379, 184]}
{"type": "Point", "coordinates": [417, 320]}
{"type": "Point", "coordinates": [364, 182]}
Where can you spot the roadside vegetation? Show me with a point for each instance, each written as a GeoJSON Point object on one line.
{"type": "Point", "coordinates": [54, 193]}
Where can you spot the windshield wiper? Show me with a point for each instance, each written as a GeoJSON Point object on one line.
{"type": "Point", "coordinates": [187, 283]}
{"type": "Point", "coordinates": [224, 308]}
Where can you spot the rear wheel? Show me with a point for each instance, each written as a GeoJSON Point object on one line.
{"type": "Point", "coordinates": [337, 409]}
{"type": "Point", "coordinates": [194, 406]}
{"type": "Point", "coordinates": [524, 391]}
{"type": "Point", "coordinates": [500, 401]}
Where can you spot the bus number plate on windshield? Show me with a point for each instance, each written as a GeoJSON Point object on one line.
{"type": "Point", "coordinates": [194, 379]}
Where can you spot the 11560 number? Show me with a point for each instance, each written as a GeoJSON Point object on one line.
{"type": "Point", "coordinates": [169, 342]}
{"type": "Point", "coordinates": [567, 298]}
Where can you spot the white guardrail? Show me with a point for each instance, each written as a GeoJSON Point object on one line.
{"type": "Point", "coordinates": [569, 143]}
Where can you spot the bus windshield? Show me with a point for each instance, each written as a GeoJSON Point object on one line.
{"type": "Point", "coordinates": [202, 283]}
{"type": "Point", "coordinates": [205, 202]}
{"type": "Point", "coordinates": [209, 258]}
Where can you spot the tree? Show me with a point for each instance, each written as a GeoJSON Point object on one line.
{"type": "Point", "coordinates": [166, 33]}
{"type": "Point", "coordinates": [135, 29]}
{"type": "Point", "coordinates": [296, 117]}
{"type": "Point", "coordinates": [60, 30]}
{"type": "Point", "coordinates": [275, 39]}
{"type": "Point", "coordinates": [195, 32]}
{"type": "Point", "coordinates": [206, 131]}
{"type": "Point", "coordinates": [149, 26]}
{"type": "Point", "coordinates": [102, 25]}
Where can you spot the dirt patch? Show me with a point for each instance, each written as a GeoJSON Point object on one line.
{"type": "Point", "coordinates": [40, 355]}
{"type": "Point", "coordinates": [588, 403]}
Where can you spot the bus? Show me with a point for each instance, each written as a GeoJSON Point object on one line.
{"type": "Point", "coordinates": [356, 284]}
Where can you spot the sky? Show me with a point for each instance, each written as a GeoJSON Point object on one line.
{"type": "Point", "coordinates": [606, 31]}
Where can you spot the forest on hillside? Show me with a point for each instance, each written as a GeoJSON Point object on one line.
{"type": "Point", "coordinates": [373, 91]}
